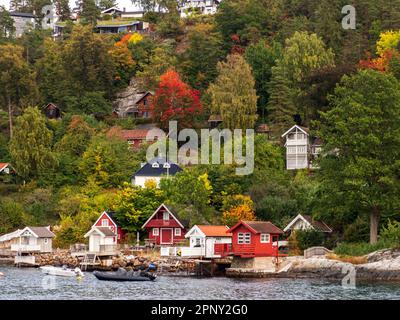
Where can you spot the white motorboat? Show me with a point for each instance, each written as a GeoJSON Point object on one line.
{"type": "Point", "coordinates": [62, 271]}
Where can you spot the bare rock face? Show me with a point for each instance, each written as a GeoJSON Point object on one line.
{"type": "Point", "coordinates": [385, 254]}
{"type": "Point", "coordinates": [126, 98]}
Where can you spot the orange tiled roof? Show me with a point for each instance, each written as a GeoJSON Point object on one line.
{"type": "Point", "coordinates": [3, 165]}
{"type": "Point", "coordinates": [134, 134]}
{"type": "Point", "coordinates": [215, 231]}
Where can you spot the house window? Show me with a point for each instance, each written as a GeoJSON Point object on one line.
{"type": "Point", "coordinates": [177, 232]}
{"type": "Point", "coordinates": [244, 238]}
{"type": "Point", "coordinates": [166, 216]}
{"type": "Point", "coordinates": [46, 240]}
{"type": "Point", "coordinates": [265, 238]}
{"type": "Point", "coordinates": [145, 102]}
{"type": "Point", "coordinates": [104, 223]}
{"type": "Point", "coordinates": [197, 242]}
{"type": "Point", "coordinates": [156, 232]}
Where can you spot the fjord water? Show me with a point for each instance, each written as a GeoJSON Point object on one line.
{"type": "Point", "coordinates": [25, 284]}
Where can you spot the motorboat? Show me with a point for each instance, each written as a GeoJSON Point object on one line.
{"type": "Point", "coordinates": [123, 275]}
{"type": "Point", "coordinates": [63, 271]}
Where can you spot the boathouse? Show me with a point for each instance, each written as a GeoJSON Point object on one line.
{"type": "Point", "coordinates": [164, 227]}
{"type": "Point", "coordinates": [252, 239]}
{"type": "Point", "coordinates": [208, 241]}
{"type": "Point", "coordinates": [99, 236]}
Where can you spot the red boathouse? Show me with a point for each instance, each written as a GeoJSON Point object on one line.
{"type": "Point", "coordinates": [164, 227]}
{"type": "Point", "coordinates": [252, 239]}
{"type": "Point", "coordinates": [108, 219]}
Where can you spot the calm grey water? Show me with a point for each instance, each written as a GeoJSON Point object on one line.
{"type": "Point", "coordinates": [24, 284]}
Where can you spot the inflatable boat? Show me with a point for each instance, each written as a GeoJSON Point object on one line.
{"type": "Point", "coordinates": [123, 275]}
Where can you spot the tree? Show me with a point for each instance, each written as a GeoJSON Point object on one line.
{"type": "Point", "coordinates": [7, 28]}
{"type": "Point", "coordinates": [30, 145]}
{"type": "Point", "coordinates": [17, 85]}
{"type": "Point", "coordinates": [233, 95]}
{"type": "Point", "coordinates": [238, 207]}
{"type": "Point", "coordinates": [261, 57]}
{"type": "Point", "coordinates": [303, 54]}
{"type": "Point", "coordinates": [161, 60]}
{"type": "Point", "coordinates": [199, 61]}
{"type": "Point", "coordinates": [90, 12]}
{"type": "Point", "coordinates": [107, 162]}
{"type": "Point", "coordinates": [362, 145]}
{"type": "Point", "coordinates": [63, 9]}
{"type": "Point", "coordinates": [175, 100]}
{"type": "Point", "coordinates": [106, 4]}
{"type": "Point", "coordinates": [134, 205]}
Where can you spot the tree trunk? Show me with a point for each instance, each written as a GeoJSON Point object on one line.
{"type": "Point", "coordinates": [374, 222]}
{"type": "Point", "coordinates": [10, 112]}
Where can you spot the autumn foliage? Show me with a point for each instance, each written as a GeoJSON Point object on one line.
{"type": "Point", "coordinates": [242, 208]}
{"type": "Point", "coordinates": [175, 100]}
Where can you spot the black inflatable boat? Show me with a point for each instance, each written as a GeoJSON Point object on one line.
{"type": "Point", "coordinates": [123, 275]}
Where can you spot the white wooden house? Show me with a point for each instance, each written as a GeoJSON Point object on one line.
{"type": "Point", "coordinates": [297, 146]}
{"type": "Point", "coordinates": [32, 239]}
{"type": "Point", "coordinates": [301, 150]}
{"type": "Point", "coordinates": [101, 239]}
{"type": "Point", "coordinates": [198, 6]}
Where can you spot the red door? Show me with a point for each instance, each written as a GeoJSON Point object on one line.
{"type": "Point", "coordinates": [166, 236]}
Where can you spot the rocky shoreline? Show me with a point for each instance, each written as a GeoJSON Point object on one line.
{"type": "Point", "coordinates": [382, 265]}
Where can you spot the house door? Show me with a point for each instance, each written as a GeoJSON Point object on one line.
{"type": "Point", "coordinates": [94, 243]}
{"type": "Point", "coordinates": [166, 236]}
{"type": "Point", "coordinates": [210, 243]}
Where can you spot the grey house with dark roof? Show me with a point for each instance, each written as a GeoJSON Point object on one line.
{"type": "Point", "coordinates": [22, 22]}
{"type": "Point", "coordinates": [155, 170]}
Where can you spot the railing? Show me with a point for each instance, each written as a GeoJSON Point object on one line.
{"type": "Point", "coordinates": [192, 252]}
{"type": "Point", "coordinates": [181, 251]}
{"type": "Point", "coordinates": [108, 248]}
{"type": "Point", "coordinates": [161, 223]}
{"type": "Point", "coordinates": [244, 250]}
{"type": "Point", "coordinates": [25, 247]}
{"type": "Point", "coordinates": [316, 251]}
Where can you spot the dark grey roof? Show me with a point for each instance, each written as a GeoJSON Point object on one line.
{"type": "Point", "coordinates": [264, 227]}
{"type": "Point", "coordinates": [22, 14]}
{"type": "Point", "coordinates": [42, 232]}
{"type": "Point", "coordinates": [149, 171]}
{"type": "Point", "coordinates": [318, 225]}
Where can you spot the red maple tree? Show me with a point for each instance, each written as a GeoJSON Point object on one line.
{"type": "Point", "coordinates": [175, 100]}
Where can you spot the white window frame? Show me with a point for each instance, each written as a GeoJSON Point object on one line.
{"type": "Point", "coordinates": [156, 232]}
{"type": "Point", "coordinates": [244, 238]}
{"type": "Point", "coordinates": [177, 232]}
{"type": "Point", "coordinates": [166, 216]}
{"type": "Point", "coordinates": [265, 238]}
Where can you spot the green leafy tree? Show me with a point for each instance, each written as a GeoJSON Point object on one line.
{"type": "Point", "coordinates": [30, 146]}
{"type": "Point", "coordinates": [233, 95]}
{"type": "Point", "coordinates": [303, 54]}
{"type": "Point", "coordinates": [261, 57]}
{"type": "Point", "coordinates": [17, 85]}
{"type": "Point", "coordinates": [7, 28]}
{"type": "Point", "coordinates": [362, 145]}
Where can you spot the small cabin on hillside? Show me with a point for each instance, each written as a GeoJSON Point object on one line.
{"type": "Point", "coordinates": [164, 227]}
{"type": "Point", "coordinates": [306, 222]}
{"type": "Point", "coordinates": [208, 241]}
{"type": "Point", "coordinates": [105, 234]}
{"type": "Point", "coordinates": [252, 239]}
{"type": "Point", "coordinates": [52, 111]}
{"type": "Point", "coordinates": [135, 137]}
{"type": "Point", "coordinates": [7, 173]}
{"type": "Point", "coordinates": [154, 170]}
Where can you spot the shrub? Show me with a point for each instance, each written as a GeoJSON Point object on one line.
{"type": "Point", "coordinates": [359, 249]}
{"type": "Point", "coordinates": [391, 233]}
{"type": "Point", "coordinates": [309, 238]}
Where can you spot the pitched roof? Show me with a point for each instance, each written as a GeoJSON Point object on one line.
{"type": "Point", "coordinates": [215, 117]}
{"type": "Point", "coordinates": [139, 96]}
{"type": "Point", "coordinates": [22, 14]}
{"type": "Point", "coordinates": [106, 231]}
{"type": "Point", "coordinates": [259, 227]}
{"type": "Point", "coordinates": [42, 232]}
{"type": "Point", "coordinates": [215, 231]}
{"type": "Point", "coordinates": [134, 134]}
{"type": "Point", "coordinates": [263, 128]}
{"type": "Point", "coordinates": [3, 165]}
{"type": "Point", "coordinates": [318, 142]}
{"type": "Point", "coordinates": [182, 223]}
{"type": "Point", "coordinates": [148, 170]}
{"type": "Point", "coordinates": [303, 129]}
{"type": "Point", "coordinates": [318, 225]}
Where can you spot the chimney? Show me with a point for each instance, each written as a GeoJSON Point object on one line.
{"type": "Point", "coordinates": [124, 9]}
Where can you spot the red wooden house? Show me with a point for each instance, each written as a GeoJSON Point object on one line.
{"type": "Point", "coordinates": [164, 227]}
{"type": "Point", "coordinates": [252, 239]}
{"type": "Point", "coordinates": [107, 219]}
